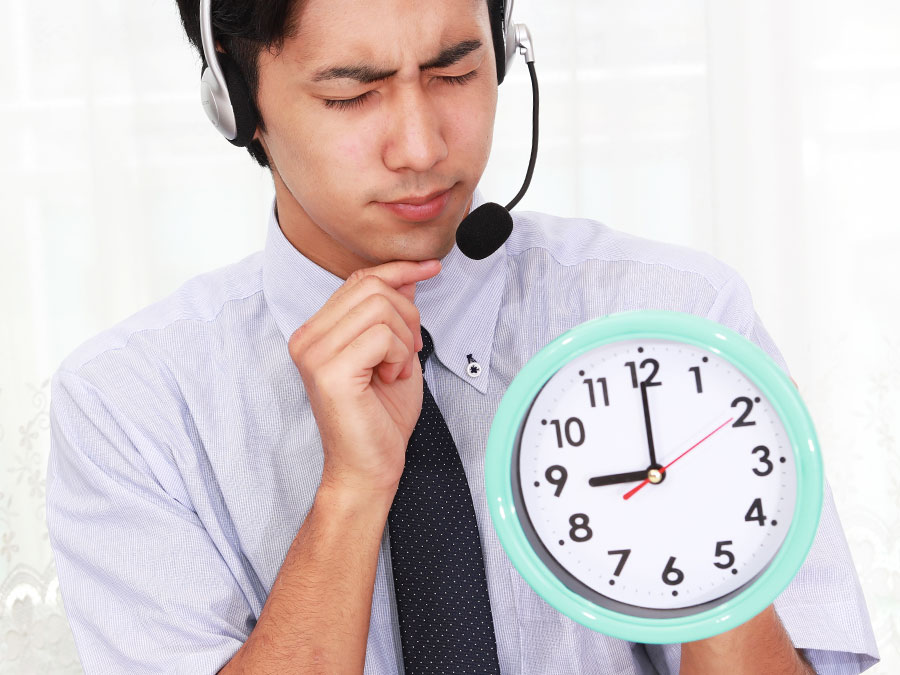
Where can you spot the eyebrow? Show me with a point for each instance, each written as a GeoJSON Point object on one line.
{"type": "Point", "coordinates": [367, 74]}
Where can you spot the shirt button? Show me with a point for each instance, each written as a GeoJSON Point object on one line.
{"type": "Point", "coordinates": [473, 369]}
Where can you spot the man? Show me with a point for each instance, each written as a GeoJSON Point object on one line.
{"type": "Point", "coordinates": [224, 463]}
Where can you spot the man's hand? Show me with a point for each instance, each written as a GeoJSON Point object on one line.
{"type": "Point", "coordinates": [761, 646]}
{"type": "Point", "coordinates": [358, 359]}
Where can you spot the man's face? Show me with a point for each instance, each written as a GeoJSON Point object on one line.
{"type": "Point", "coordinates": [377, 102]}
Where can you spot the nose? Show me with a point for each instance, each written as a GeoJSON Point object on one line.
{"type": "Point", "coordinates": [415, 138]}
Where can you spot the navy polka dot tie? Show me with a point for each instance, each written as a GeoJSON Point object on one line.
{"type": "Point", "coordinates": [442, 599]}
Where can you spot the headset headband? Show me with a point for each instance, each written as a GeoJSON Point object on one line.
{"type": "Point", "coordinates": [229, 106]}
{"type": "Point", "coordinates": [213, 90]}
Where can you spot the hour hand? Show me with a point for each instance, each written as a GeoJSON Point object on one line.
{"type": "Point", "coordinates": [629, 477]}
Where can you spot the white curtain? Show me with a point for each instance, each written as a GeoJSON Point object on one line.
{"type": "Point", "coordinates": [766, 132]}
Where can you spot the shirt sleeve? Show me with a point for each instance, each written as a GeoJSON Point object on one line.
{"type": "Point", "coordinates": [144, 587]}
{"type": "Point", "coordinates": [823, 608]}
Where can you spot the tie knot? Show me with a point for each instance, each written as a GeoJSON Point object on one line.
{"type": "Point", "coordinates": [427, 347]}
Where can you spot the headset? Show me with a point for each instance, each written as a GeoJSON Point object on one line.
{"type": "Point", "coordinates": [226, 96]}
{"type": "Point", "coordinates": [226, 99]}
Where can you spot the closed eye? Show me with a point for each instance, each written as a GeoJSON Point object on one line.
{"type": "Point", "coordinates": [357, 101]}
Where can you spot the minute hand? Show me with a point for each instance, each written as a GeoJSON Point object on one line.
{"type": "Point", "coordinates": [647, 424]}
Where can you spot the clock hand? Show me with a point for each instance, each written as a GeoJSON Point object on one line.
{"type": "Point", "coordinates": [631, 493]}
{"type": "Point", "coordinates": [653, 463]}
{"type": "Point", "coordinates": [630, 477]}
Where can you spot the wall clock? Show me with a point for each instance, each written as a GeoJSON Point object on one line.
{"type": "Point", "coordinates": [654, 476]}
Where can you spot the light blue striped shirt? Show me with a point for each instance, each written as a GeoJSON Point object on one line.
{"type": "Point", "coordinates": [185, 455]}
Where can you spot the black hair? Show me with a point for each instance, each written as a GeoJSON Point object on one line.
{"type": "Point", "coordinates": [245, 29]}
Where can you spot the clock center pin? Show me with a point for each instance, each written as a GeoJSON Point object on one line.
{"type": "Point", "coordinates": [655, 476]}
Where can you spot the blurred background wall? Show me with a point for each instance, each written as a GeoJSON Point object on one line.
{"type": "Point", "coordinates": [766, 132]}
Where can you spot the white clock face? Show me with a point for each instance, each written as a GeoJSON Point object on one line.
{"type": "Point", "coordinates": [706, 520]}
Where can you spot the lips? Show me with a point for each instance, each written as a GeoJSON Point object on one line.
{"type": "Point", "coordinates": [418, 201]}
{"type": "Point", "coordinates": [419, 208]}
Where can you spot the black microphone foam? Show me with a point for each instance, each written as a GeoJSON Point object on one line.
{"type": "Point", "coordinates": [484, 230]}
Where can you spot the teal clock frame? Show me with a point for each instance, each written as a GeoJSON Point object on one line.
{"type": "Point", "coordinates": [754, 363]}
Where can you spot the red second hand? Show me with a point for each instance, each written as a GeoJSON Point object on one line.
{"type": "Point", "coordinates": [631, 493]}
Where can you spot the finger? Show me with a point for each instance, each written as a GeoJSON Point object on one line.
{"type": "Point", "coordinates": [372, 310]}
{"type": "Point", "coordinates": [398, 275]}
{"type": "Point", "coordinates": [377, 344]}
{"type": "Point", "coordinates": [400, 272]}
{"type": "Point", "coordinates": [395, 274]}
{"type": "Point", "coordinates": [406, 370]}
{"type": "Point", "coordinates": [408, 291]}
{"type": "Point", "coordinates": [388, 372]}
{"type": "Point", "coordinates": [321, 324]}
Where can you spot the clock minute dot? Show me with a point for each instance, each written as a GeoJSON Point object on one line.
{"type": "Point", "coordinates": [705, 359]}
{"type": "Point", "coordinates": [581, 372]}
{"type": "Point", "coordinates": [537, 483]}
{"type": "Point", "coordinates": [782, 460]}
{"type": "Point", "coordinates": [612, 582]}
{"type": "Point", "coordinates": [774, 522]}
{"type": "Point", "coordinates": [734, 571]}
{"type": "Point", "coordinates": [675, 593]}
{"type": "Point", "coordinates": [757, 399]}
{"type": "Point", "coordinates": [543, 421]}
{"type": "Point", "coordinates": [640, 350]}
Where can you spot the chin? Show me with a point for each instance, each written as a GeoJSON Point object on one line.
{"type": "Point", "coordinates": [417, 247]}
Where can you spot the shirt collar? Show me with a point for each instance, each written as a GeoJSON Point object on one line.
{"type": "Point", "coordinates": [459, 306]}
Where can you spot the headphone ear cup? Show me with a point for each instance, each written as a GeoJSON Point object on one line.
{"type": "Point", "coordinates": [496, 8]}
{"type": "Point", "coordinates": [245, 114]}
